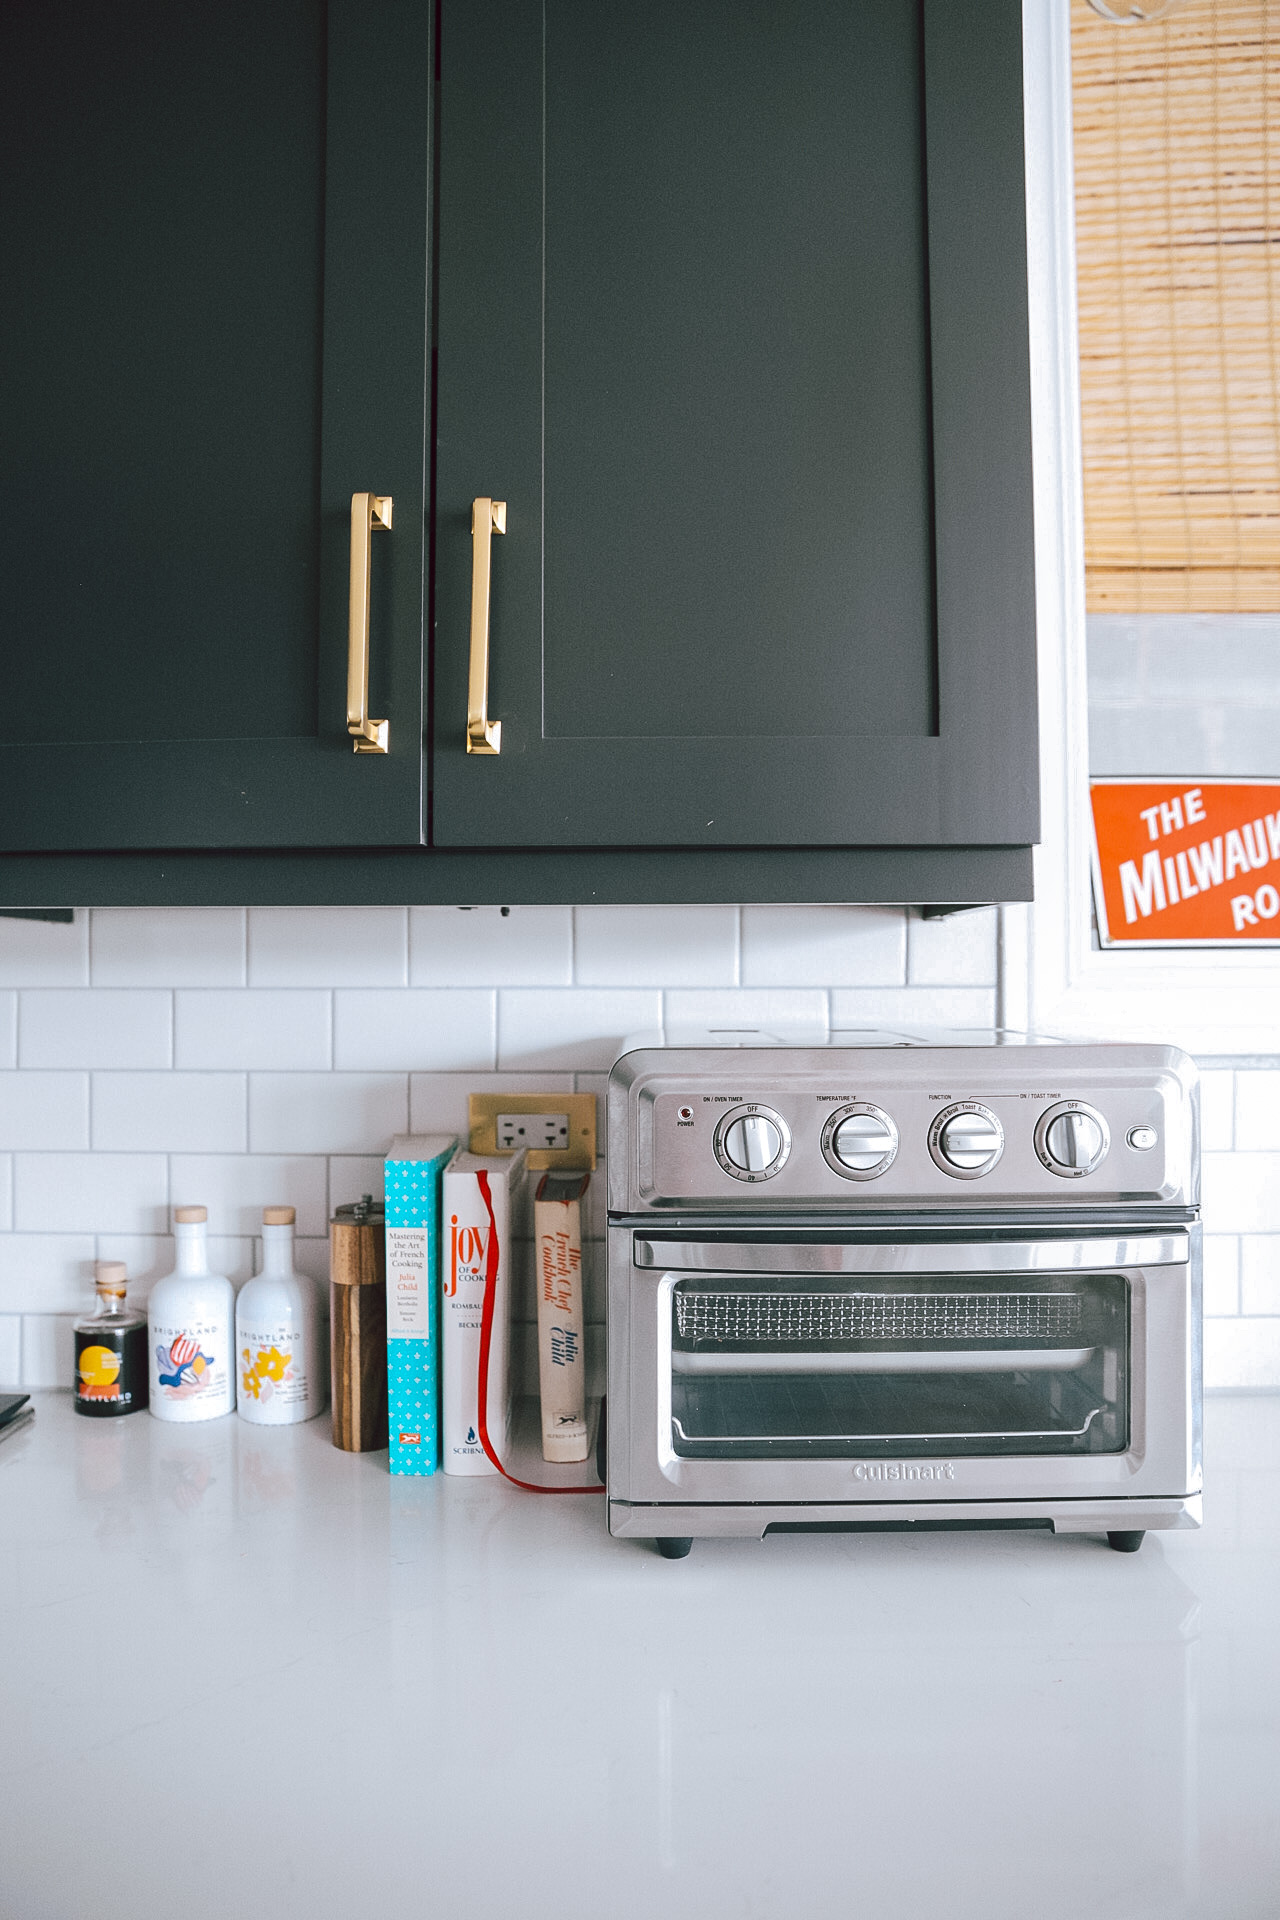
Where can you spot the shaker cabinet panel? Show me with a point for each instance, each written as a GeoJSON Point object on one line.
{"type": "Point", "coordinates": [214, 219]}
{"type": "Point", "coordinates": [732, 319]}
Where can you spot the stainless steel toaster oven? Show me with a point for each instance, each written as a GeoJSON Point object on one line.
{"type": "Point", "coordinates": [890, 1282]}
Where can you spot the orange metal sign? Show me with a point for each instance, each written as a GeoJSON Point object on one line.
{"type": "Point", "coordinates": [1186, 863]}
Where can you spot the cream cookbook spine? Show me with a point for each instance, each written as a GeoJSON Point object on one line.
{"type": "Point", "coordinates": [484, 1200]}
{"type": "Point", "coordinates": [557, 1239]}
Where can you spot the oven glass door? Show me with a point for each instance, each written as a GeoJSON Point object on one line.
{"type": "Point", "coordinates": [804, 1367]}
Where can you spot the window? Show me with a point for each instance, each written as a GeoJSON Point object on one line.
{"type": "Point", "coordinates": [1163, 557]}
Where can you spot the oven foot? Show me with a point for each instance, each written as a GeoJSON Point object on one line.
{"type": "Point", "coordinates": [1126, 1540]}
{"type": "Point", "coordinates": [674, 1549]}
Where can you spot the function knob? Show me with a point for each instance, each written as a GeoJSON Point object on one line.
{"type": "Point", "coordinates": [966, 1140]}
{"type": "Point", "coordinates": [1072, 1140]}
{"type": "Point", "coordinates": [859, 1142]}
{"type": "Point", "coordinates": [752, 1145]}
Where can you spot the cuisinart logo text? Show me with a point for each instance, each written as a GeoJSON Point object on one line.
{"type": "Point", "coordinates": [904, 1470]}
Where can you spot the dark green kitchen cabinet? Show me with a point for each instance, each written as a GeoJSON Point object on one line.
{"type": "Point", "coordinates": [724, 302]}
{"type": "Point", "coordinates": [213, 332]}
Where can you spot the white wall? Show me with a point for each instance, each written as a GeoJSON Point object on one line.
{"type": "Point", "coordinates": [239, 1058]}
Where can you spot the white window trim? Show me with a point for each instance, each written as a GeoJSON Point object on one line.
{"type": "Point", "coordinates": [1213, 1002]}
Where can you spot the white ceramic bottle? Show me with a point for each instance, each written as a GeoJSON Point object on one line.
{"type": "Point", "coordinates": [282, 1344]}
{"type": "Point", "coordinates": [190, 1320]}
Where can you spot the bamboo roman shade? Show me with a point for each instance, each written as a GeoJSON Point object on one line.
{"type": "Point", "coordinates": [1177, 156]}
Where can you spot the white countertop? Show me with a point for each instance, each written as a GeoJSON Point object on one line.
{"type": "Point", "coordinates": [242, 1673]}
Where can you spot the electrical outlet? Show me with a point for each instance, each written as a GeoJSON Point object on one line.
{"type": "Point", "coordinates": [547, 1131]}
{"type": "Point", "coordinates": [558, 1130]}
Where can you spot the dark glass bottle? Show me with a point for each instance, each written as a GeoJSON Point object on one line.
{"type": "Point", "coordinates": [112, 1376]}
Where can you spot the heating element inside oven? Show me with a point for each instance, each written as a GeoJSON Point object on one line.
{"type": "Point", "coordinates": [806, 1319]}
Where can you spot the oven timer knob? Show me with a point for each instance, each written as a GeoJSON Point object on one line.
{"type": "Point", "coordinates": [1072, 1140]}
{"type": "Point", "coordinates": [752, 1144]}
{"type": "Point", "coordinates": [966, 1140]}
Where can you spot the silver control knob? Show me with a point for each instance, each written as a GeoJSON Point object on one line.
{"type": "Point", "coordinates": [1072, 1141]}
{"type": "Point", "coordinates": [859, 1142]}
{"type": "Point", "coordinates": [752, 1145]}
{"type": "Point", "coordinates": [966, 1141]}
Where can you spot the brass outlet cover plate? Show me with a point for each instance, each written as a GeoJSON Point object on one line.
{"type": "Point", "coordinates": [580, 1154]}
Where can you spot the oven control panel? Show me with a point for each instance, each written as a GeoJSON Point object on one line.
{"type": "Point", "coordinates": [1064, 1128]}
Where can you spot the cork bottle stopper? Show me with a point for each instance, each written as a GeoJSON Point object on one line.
{"type": "Point", "coordinates": [278, 1216]}
{"type": "Point", "coordinates": [110, 1275]}
{"type": "Point", "coordinates": [188, 1216]}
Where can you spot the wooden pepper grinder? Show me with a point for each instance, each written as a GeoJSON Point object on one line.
{"type": "Point", "coordinates": [358, 1318]}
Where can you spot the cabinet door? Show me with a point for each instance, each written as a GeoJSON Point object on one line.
{"type": "Point", "coordinates": [732, 317]}
{"type": "Point", "coordinates": [214, 228]}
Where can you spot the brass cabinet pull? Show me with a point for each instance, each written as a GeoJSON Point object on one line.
{"type": "Point", "coordinates": [368, 510]}
{"type": "Point", "coordinates": [487, 518]}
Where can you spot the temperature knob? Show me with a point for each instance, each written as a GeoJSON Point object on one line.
{"type": "Point", "coordinates": [966, 1140]}
{"type": "Point", "coordinates": [859, 1142]}
{"type": "Point", "coordinates": [752, 1145]}
{"type": "Point", "coordinates": [1072, 1140]}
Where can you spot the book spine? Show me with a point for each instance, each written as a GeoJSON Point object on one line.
{"type": "Point", "coordinates": [465, 1247]}
{"type": "Point", "coordinates": [413, 1315]}
{"type": "Point", "coordinates": [562, 1389]}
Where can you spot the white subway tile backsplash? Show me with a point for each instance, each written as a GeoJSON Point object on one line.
{"type": "Point", "coordinates": [1217, 1124]}
{"type": "Point", "coordinates": [908, 1008]}
{"type": "Point", "coordinates": [111, 1027]}
{"type": "Point", "coordinates": [44, 1110]}
{"type": "Point", "coordinates": [208, 1031]}
{"type": "Point", "coordinates": [170, 1112]}
{"type": "Point", "coordinates": [577, 1027]}
{"type": "Point", "coordinates": [726, 1011]}
{"type": "Point", "coordinates": [48, 1350]}
{"type": "Point", "coordinates": [1257, 1119]}
{"type": "Point", "coordinates": [328, 946]}
{"type": "Point", "coordinates": [1241, 1354]}
{"type": "Point", "coordinates": [958, 951]}
{"type": "Point", "coordinates": [1221, 1273]}
{"type": "Point", "coordinates": [352, 1175]}
{"type": "Point", "coordinates": [490, 946]}
{"type": "Point", "coordinates": [1241, 1192]}
{"type": "Point", "coordinates": [50, 1272]}
{"type": "Point", "coordinates": [90, 1192]}
{"type": "Point", "coordinates": [10, 1351]}
{"type": "Point", "coordinates": [655, 946]}
{"type": "Point", "coordinates": [449, 1029]}
{"type": "Point", "coordinates": [310, 1256]}
{"type": "Point", "coordinates": [167, 946]}
{"type": "Point", "coordinates": [822, 946]}
{"type": "Point", "coordinates": [271, 1028]}
{"type": "Point", "coordinates": [326, 1113]}
{"type": "Point", "coordinates": [1259, 1273]}
{"type": "Point", "coordinates": [45, 953]}
{"type": "Point", "coordinates": [236, 1187]}
{"type": "Point", "coordinates": [438, 1101]}
{"type": "Point", "coordinates": [149, 1257]}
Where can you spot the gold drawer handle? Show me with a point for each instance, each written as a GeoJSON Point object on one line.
{"type": "Point", "coordinates": [368, 510]}
{"type": "Point", "coordinates": [487, 518]}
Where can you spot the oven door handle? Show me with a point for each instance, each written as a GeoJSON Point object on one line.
{"type": "Point", "coordinates": [907, 1256]}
